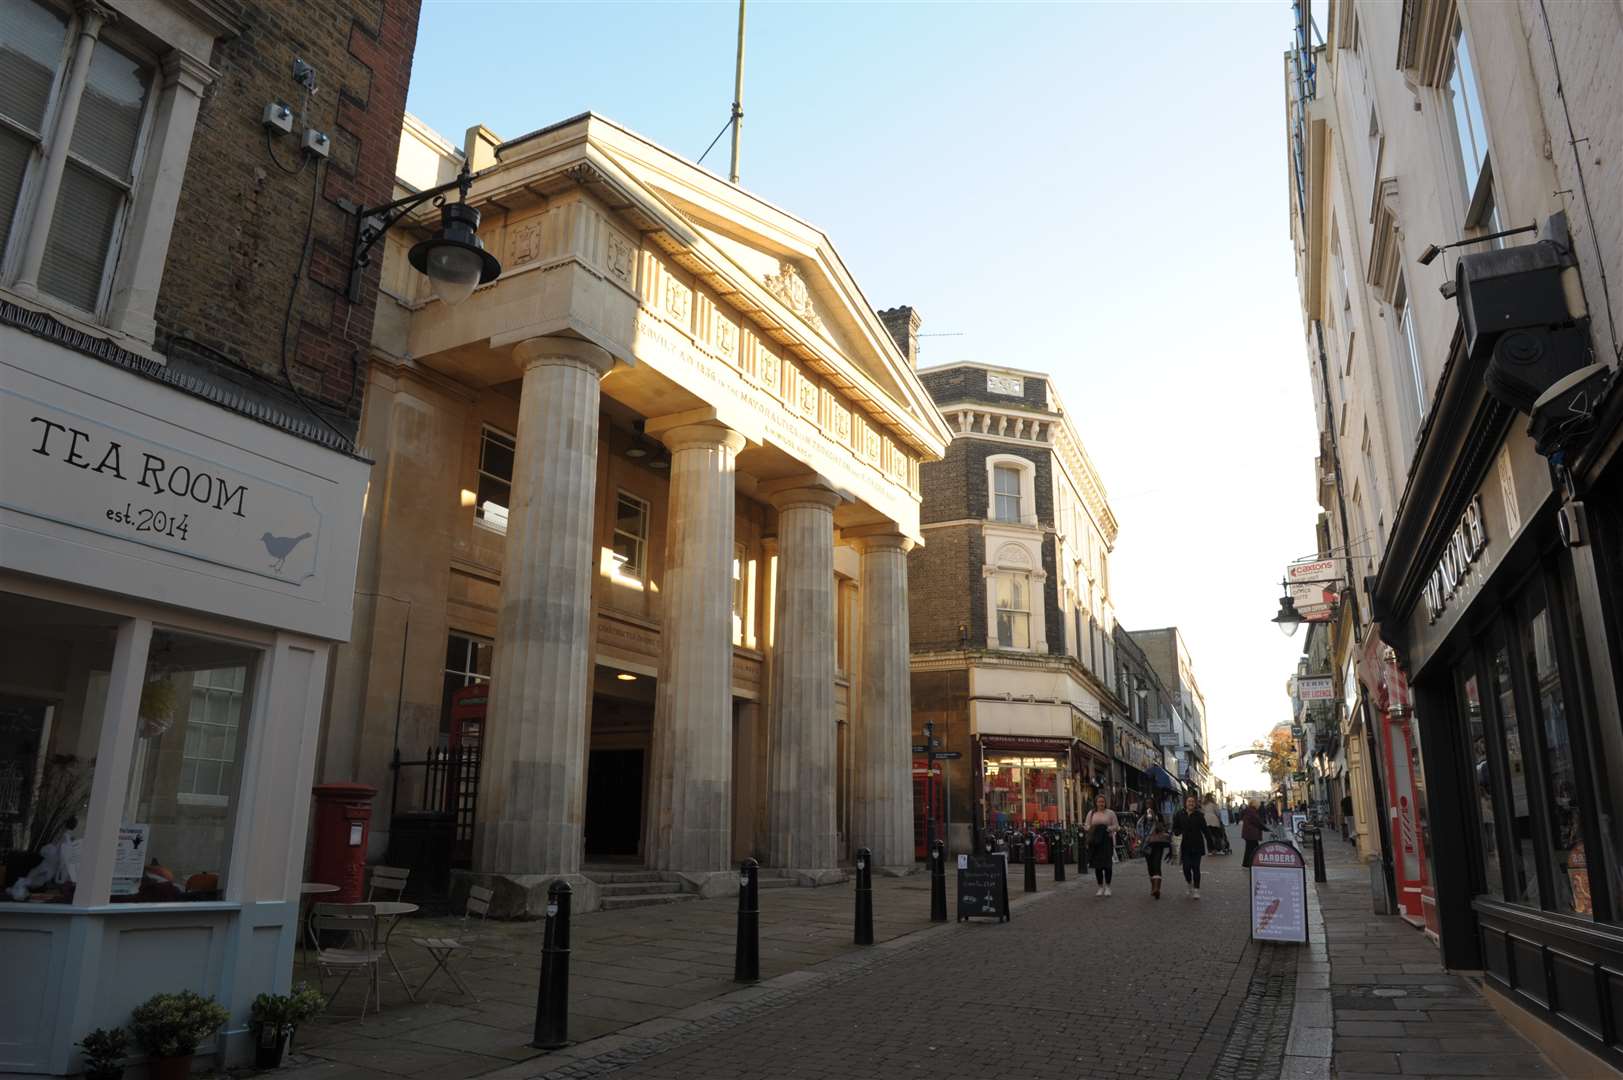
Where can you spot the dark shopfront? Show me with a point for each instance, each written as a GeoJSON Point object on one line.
{"type": "Point", "coordinates": [1506, 621]}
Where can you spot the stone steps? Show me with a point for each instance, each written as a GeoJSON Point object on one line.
{"type": "Point", "coordinates": [616, 901]}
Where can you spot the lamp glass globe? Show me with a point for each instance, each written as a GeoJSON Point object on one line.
{"type": "Point", "coordinates": [453, 272]}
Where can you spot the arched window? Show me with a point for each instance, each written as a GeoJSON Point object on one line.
{"type": "Point", "coordinates": [1013, 596]}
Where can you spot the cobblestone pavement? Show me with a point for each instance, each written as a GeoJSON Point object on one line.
{"type": "Point", "coordinates": [1073, 986]}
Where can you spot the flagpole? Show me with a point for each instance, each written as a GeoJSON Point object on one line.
{"type": "Point", "coordinates": [738, 96]}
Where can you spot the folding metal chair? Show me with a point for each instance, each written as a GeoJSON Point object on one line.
{"type": "Point", "coordinates": [356, 925]}
{"type": "Point", "coordinates": [444, 949]}
{"type": "Point", "coordinates": [387, 879]}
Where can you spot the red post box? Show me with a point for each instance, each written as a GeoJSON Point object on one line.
{"type": "Point", "coordinates": [343, 826]}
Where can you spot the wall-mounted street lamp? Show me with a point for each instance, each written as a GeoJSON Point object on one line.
{"type": "Point", "coordinates": [453, 259]}
{"type": "Point", "coordinates": [1288, 618]}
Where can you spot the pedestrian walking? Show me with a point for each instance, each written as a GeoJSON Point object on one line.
{"type": "Point", "coordinates": [1190, 825]}
{"type": "Point", "coordinates": [1216, 840]}
{"type": "Point", "coordinates": [1250, 832]}
{"type": "Point", "coordinates": [1156, 844]}
{"type": "Point", "coordinates": [1101, 826]}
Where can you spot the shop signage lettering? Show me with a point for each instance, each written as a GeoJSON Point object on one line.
{"type": "Point", "coordinates": [1303, 573]}
{"type": "Point", "coordinates": [1468, 540]}
{"type": "Point", "coordinates": [80, 472]}
{"type": "Point", "coordinates": [1316, 687]}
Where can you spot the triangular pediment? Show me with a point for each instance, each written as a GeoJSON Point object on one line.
{"type": "Point", "coordinates": [785, 265]}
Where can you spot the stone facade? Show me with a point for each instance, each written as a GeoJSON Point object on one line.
{"type": "Point", "coordinates": [679, 561]}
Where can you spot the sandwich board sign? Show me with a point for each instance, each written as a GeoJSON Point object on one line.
{"type": "Point", "coordinates": [1278, 893]}
{"type": "Point", "coordinates": [983, 886]}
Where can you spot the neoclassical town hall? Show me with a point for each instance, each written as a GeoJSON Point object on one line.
{"type": "Point", "coordinates": [639, 519]}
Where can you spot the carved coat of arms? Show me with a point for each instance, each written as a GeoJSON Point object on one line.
{"type": "Point", "coordinates": [788, 286]}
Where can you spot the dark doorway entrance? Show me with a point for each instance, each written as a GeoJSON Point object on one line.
{"type": "Point", "coordinates": [613, 802]}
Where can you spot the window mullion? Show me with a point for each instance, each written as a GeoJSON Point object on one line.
{"type": "Point", "coordinates": [56, 154]}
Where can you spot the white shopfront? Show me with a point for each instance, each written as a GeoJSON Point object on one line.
{"type": "Point", "coordinates": [173, 575]}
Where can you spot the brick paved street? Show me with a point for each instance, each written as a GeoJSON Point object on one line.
{"type": "Point", "coordinates": [1074, 986]}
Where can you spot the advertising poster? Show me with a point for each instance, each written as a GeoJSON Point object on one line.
{"type": "Point", "coordinates": [129, 861]}
{"type": "Point", "coordinates": [1278, 894]}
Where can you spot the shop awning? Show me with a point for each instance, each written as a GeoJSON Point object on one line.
{"type": "Point", "coordinates": [1161, 778]}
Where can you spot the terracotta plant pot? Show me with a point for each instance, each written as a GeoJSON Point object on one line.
{"type": "Point", "coordinates": [171, 1068]}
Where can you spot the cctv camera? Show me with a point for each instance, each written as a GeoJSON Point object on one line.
{"type": "Point", "coordinates": [1565, 413]}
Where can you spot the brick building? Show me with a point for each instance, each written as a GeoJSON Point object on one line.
{"type": "Point", "coordinates": [180, 493]}
{"type": "Point", "coordinates": [1012, 626]}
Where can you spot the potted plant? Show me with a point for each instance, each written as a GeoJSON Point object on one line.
{"type": "Point", "coordinates": [276, 1017]}
{"type": "Point", "coordinates": [104, 1053]}
{"type": "Point", "coordinates": [169, 1028]}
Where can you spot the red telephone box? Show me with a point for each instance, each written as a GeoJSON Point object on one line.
{"type": "Point", "coordinates": [928, 802]}
{"type": "Point", "coordinates": [342, 827]}
{"type": "Point", "coordinates": [468, 715]}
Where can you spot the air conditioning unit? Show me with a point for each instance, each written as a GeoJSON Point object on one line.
{"type": "Point", "coordinates": [1521, 308]}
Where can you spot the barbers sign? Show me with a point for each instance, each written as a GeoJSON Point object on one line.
{"type": "Point", "coordinates": [76, 471]}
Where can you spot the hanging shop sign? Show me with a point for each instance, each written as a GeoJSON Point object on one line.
{"type": "Point", "coordinates": [1278, 893]}
{"type": "Point", "coordinates": [1310, 571]}
{"type": "Point", "coordinates": [1468, 540]}
{"type": "Point", "coordinates": [1316, 687]}
{"type": "Point", "coordinates": [1314, 602]}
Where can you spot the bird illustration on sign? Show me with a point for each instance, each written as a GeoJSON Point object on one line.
{"type": "Point", "coordinates": [280, 547]}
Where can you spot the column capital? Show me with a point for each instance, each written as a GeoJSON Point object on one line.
{"type": "Point", "coordinates": [700, 436]}
{"type": "Point", "coordinates": [801, 491]}
{"type": "Point", "coordinates": [552, 349]}
{"type": "Point", "coordinates": [878, 538]}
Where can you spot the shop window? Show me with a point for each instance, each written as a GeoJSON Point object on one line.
{"type": "Point", "coordinates": [1493, 875]}
{"type": "Point", "coordinates": [496, 450]}
{"type": "Point", "coordinates": [467, 663]}
{"type": "Point", "coordinates": [172, 844]}
{"type": "Point", "coordinates": [98, 177]}
{"type": "Point", "coordinates": [1569, 863]}
{"type": "Point", "coordinates": [1022, 792]}
{"type": "Point", "coordinates": [54, 661]}
{"type": "Point", "coordinates": [1519, 819]}
{"type": "Point", "coordinates": [1012, 595]}
{"type": "Point", "coordinates": [630, 537]}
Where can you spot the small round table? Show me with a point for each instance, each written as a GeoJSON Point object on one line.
{"type": "Point", "coordinates": [393, 911]}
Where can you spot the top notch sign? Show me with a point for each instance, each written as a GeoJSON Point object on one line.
{"type": "Point", "coordinates": [1468, 540]}
{"type": "Point", "coordinates": [1313, 570]}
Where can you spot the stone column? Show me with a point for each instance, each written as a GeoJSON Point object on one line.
{"type": "Point", "coordinates": [882, 761]}
{"type": "Point", "coordinates": [801, 823]}
{"type": "Point", "coordinates": [690, 805]}
{"type": "Point", "coordinates": [533, 779]}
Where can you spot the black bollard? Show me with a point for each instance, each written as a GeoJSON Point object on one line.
{"type": "Point", "coordinates": [1030, 860]}
{"type": "Point", "coordinates": [1059, 858]}
{"type": "Point", "coordinates": [938, 882]}
{"type": "Point", "coordinates": [747, 954]}
{"type": "Point", "coordinates": [864, 930]}
{"type": "Point", "coordinates": [1081, 856]}
{"type": "Point", "coordinates": [1318, 856]}
{"type": "Point", "coordinates": [552, 1000]}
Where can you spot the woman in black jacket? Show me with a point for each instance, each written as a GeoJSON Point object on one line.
{"type": "Point", "coordinates": [1190, 825]}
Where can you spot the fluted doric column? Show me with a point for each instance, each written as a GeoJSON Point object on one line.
{"type": "Point", "coordinates": [803, 834]}
{"type": "Point", "coordinates": [882, 759]}
{"type": "Point", "coordinates": [533, 777]}
{"type": "Point", "coordinates": [690, 809]}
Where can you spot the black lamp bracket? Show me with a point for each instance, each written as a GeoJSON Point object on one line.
{"type": "Point", "coordinates": [371, 222]}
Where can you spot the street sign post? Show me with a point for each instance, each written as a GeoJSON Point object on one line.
{"type": "Point", "coordinates": [1278, 893]}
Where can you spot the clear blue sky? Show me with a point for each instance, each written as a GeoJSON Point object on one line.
{"type": "Point", "coordinates": [1093, 190]}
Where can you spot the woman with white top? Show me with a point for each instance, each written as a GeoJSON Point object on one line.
{"type": "Point", "coordinates": [1101, 827]}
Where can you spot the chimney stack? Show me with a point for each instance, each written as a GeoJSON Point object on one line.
{"type": "Point", "coordinates": [903, 324]}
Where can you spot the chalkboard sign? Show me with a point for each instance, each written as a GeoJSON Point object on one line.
{"type": "Point", "coordinates": [983, 886]}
